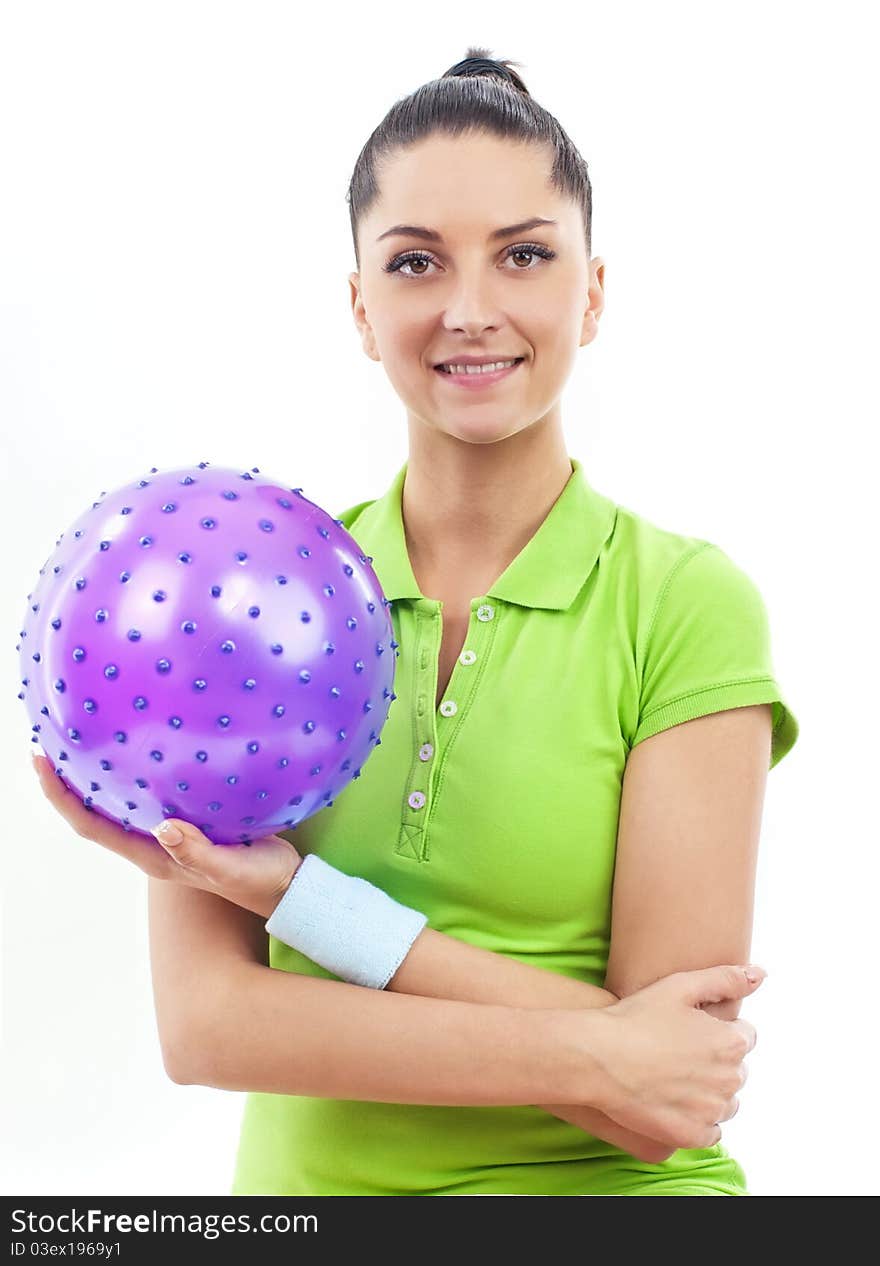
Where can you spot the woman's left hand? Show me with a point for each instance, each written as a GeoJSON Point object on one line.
{"type": "Point", "coordinates": [254, 876]}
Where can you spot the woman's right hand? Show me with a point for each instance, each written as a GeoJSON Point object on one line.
{"type": "Point", "coordinates": [254, 876]}
{"type": "Point", "coordinates": [663, 1067]}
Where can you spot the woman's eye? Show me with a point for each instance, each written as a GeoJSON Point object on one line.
{"type": "Point", "coordinates": [541, 252]}
{"type": "Point", "coordinates": [419, 258]}
{"type": "Point", "coordinates": [396, 265]}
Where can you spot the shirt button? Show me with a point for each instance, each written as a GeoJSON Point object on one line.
{"type": "Point", "coordinates": [417, 799]}
{"type": "Point", "coordinates": [448, 708]}
{"type": "Point", "coordinates": [467, 657]}
{"type": "Point", "coordinates": [485, 612]}
{"type": "Point", "coordinates": [426, 751]}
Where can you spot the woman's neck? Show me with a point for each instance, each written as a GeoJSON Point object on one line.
{"type": "Point", "coordinates": [469, 509]}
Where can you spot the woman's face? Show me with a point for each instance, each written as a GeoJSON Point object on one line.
{"type": "Point", "coordinates": [531, 294]}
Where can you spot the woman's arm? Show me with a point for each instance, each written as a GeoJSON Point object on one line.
{"type": "Point", "coordinates": [439, 966]}
{"type": "Point", "coordinates": [228, 1020]}
{"type": "Point", "coordinates": [687, 846]}
{"type": "Point", "coordinates": [283, 1033]}
{"type": "Point", "coordinates": [200, 943]}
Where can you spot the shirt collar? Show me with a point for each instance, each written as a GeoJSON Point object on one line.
{"type": "Point", "coordinates": [548, 572]}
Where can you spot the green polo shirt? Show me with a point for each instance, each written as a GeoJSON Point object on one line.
{"type": "Point", "coordinates": [496, 815]}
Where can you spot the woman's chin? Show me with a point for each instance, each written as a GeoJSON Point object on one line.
{"type": "Point", "coordinates": [479, 432]}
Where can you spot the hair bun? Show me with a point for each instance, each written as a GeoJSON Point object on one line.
{"type": "Point", "coordinates": [477, 63]}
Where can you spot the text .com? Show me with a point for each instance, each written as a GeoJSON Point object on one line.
{"type": "Point", "coordinates": [210, 1225]}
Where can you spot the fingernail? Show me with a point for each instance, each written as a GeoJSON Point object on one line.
{"type": "Point", "coordinates": [165, 833]}
{"type": "Point", "coordinates": [754, 972]}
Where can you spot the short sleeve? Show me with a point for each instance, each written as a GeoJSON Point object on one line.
{"type": "Point", "coordinates": [707, 648]}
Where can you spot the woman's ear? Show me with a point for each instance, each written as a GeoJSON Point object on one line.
{"type": "Point", "coordinates": [595, 301]}
{"type": "Point", "coordinates": [360, 317]}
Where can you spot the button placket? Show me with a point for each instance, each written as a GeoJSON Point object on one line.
{"type": "Point", "coordinates": [467, 656]}
{"type": "Point", "coordinates": [411, 842]}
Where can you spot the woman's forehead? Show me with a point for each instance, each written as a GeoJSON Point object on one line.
{"type": "Point", "coordinates": [473, 152]}
{"type": "Point", "coordinates": [465, 187]}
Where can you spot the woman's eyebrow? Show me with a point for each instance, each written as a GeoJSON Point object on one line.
{"type": "Point", "coordinates": [430, 235]}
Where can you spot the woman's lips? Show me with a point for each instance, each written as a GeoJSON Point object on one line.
{"type": "Point", "coordinates": [477, 382]}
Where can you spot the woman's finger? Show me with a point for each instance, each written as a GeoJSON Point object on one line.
{"type": "Point", "coordinates": [185, 843]}
{"type": "Point", "coordinates": [198, 860]}
{"type": "Point", "coordinates": [134, 845]}
{"type": "Point", "coordinates": [254, 876]}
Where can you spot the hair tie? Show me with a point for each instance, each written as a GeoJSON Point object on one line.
{"type": "Point", "coordinates": [479, 65]}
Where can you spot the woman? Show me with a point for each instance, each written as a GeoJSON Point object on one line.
{"type": "Point", "coordinates": [555, 1030]}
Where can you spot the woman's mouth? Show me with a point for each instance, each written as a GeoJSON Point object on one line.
{"type": "Point", "coordinates": [477, 377]}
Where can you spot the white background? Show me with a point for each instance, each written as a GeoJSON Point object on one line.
{"type": "Point", "coordinates": [174, 251]}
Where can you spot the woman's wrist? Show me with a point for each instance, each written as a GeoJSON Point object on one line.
{"type": "Point", "coordinates": [579, 1044]}
{"type": "Point", "coordinates": [274, 899]}
{"type": "Point", "coordinates": [344, 924]}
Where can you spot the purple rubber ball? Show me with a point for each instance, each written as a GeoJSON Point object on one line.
{"type": "Point", "coordinates": [207, 644]}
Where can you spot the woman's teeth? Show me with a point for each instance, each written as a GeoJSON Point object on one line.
{"type": "Point", "coordinates": [479, 369]}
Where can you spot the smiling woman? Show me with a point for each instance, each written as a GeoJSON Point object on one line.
{"type": "Point", "coordinates": [560, 662]}
{"type": "Point", "coordinates": [504, 277]}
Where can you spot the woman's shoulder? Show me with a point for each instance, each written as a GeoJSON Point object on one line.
{"type": "Point", "coordinates": [648, 551]}
{"type": "Point", "coordinates": [692, 597]}
{"type": "Point", "coordinates": [660, 568]}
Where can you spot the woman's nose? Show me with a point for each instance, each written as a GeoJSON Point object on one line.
{"type": "Point", "coordinates": [472, 307]}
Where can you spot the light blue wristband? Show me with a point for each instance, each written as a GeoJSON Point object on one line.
{"type": "Point", "coordinates": [345, 924]}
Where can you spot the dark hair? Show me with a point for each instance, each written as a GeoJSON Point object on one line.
{"type": "Point", "coordinates": [476, 94]}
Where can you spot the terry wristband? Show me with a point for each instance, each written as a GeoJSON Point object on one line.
{"type": "Point", "coordinates": [344, 923]}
